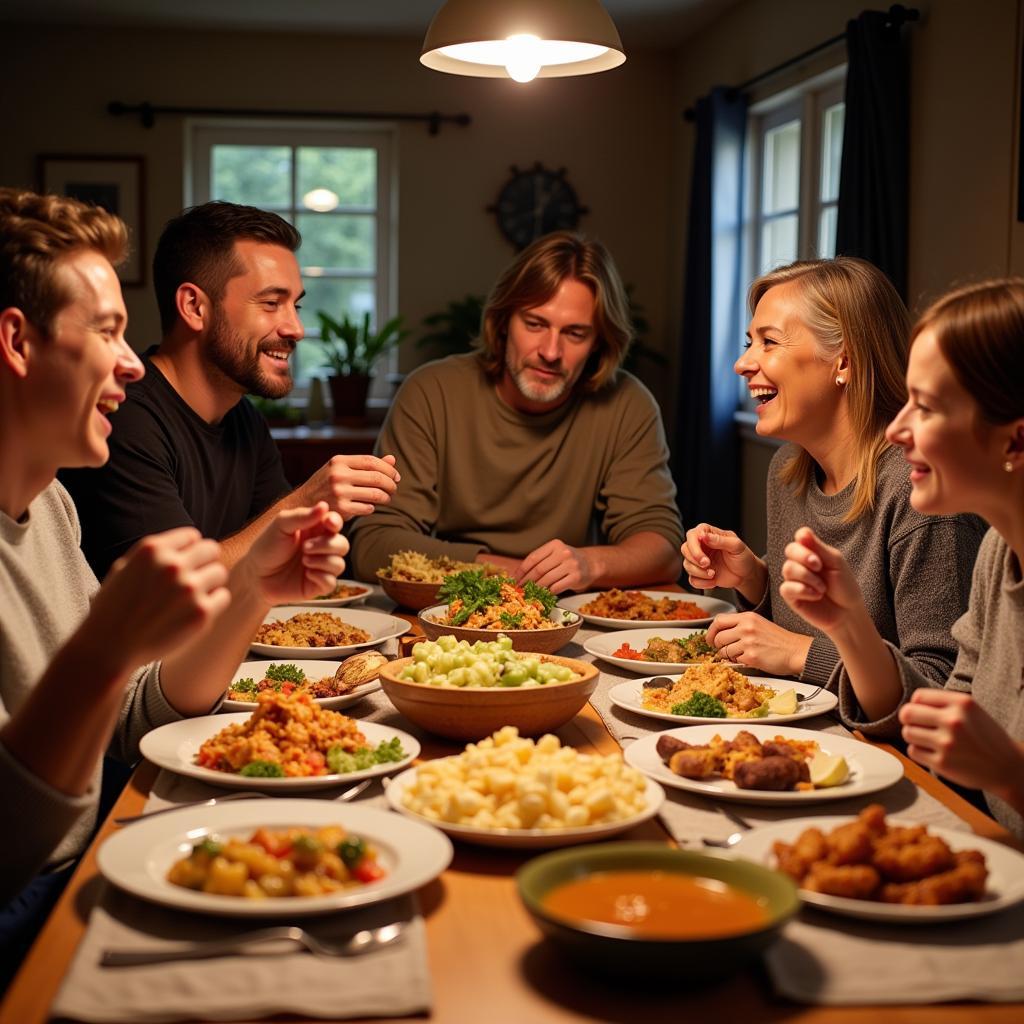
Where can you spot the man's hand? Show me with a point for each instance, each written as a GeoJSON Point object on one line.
{"type": "Point", "coordinates": [718, 558]}
{"type": "Point", "coordinates": [299, 555]}
{"type": "Point", "coordinates": [753, 640]}
{"type": "Point", "coordinates": [160, 594]}
{"type": "Point", "coordinates": [352, 484]}
{"type": "Point", "coordinates": [949, 732]}
{"type": "Point", "coordinates": [819, 585]}
{"type": "Point", "coordinates": [559, 567]}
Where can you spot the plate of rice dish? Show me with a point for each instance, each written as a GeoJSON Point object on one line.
{"type": "Point", "coordinates": [326, 681]}
{"type": "Point", "coordinates": [295, 631]}
{"type": "Point", "coordinates": [657, 652]}
{"type": "Point", "coordinates": [637, 609]}
{"type": "Point", "coordinates": [413, 579]}
{"type": "Point", "coordinates": [288, 742]}
{"type": "Point", "coordinates": [345, 592]}
{"type": "Point", "coordinates": [713, 690]}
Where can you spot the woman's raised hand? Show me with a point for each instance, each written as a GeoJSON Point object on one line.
{"type": "Point", "coordinates": [718, 558]}
{"type": "Point", "coordinates": [163, 592]}
{"type": "Point", "coordinates": [817, 583]}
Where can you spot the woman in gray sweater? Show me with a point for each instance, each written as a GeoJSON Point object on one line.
{"type": "Point", "coordinates": [825, 364]}
{"type": "Point", "coordinates": [962, 433]}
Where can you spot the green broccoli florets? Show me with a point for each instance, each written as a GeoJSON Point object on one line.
{"type": "Point", "coordinates": [285, 673]}
{"type": "Point", "coordinates": [700, 705]}
{"type": "Point", "coordinates": [262, 770]}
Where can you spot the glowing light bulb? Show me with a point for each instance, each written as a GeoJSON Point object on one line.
{"type": "Point", "coordinates": [320, 199]}
{"type": "Point", "coordinates": [523, 57]}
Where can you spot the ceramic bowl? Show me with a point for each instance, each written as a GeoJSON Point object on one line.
{"type": "Point", "coordinates": [617, 949]}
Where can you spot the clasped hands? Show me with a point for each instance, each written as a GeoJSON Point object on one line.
{"type": "Point", "coordinates": [170, 586]}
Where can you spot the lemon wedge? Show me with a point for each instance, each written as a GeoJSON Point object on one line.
{"type": "Point", "coordinates": [783, 703]}
{"type": "Point", "coordinates": [828, 770]}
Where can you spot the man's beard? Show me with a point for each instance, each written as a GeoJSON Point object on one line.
{"type": "Point", "coordinates": [229, 352]}
{"type": "Point", "coordinates": [528, 389]}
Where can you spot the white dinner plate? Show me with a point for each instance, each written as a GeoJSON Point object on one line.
{"type": "Point", "coordinates": [138, 857]}
{"type": "Point", "coordinates": [313, 669]}
{"type": "Point", "coordinates": [871, 769]}
{"type": "Point", "coordinates": [711, 605]}
{"type": "Point", "coordinates": [174, 747]}
{"type": "Point", "coordinates": [1005, 885]}
{"type": "Point", "coordinates": [524, 838]}
{"type": "Point", "coordinates": [604, 645]}
{"type": "Point", "coordinates": [629, 696]}
{"type": "Point", "coordinates": [379, 625]}
{"type": "Point", "coordinates": [365, 591]}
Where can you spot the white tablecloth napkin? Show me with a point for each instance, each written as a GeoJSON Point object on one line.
{"type": "Point", "coordinates": [389, 982]}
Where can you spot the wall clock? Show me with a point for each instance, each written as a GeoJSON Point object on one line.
{"type": "Point", "coordinates": [534, 202]}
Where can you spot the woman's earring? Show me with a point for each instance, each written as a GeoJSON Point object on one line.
{"type": "Point", "coordinates": [1008, 466]}
{"type": "Point", "coordinates": [840, 382]}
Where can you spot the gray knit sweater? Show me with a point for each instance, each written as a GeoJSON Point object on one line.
{"type": "Point", "coordinates": [45, 589]}
{"type": "Point", "coordinates": [990, 664]}
{"type": "Point", "coordinates": [914, 570]}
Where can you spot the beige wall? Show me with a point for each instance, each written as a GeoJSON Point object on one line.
{"type": "Point", "coordinates": [610, 131]}
{"type": "Point", "coordinates": [963, 131]}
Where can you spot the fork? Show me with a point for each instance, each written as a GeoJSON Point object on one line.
{"type": "Point", "coordinates": [362, 942]}
{"type": "Point", "coordinates": [349, 794]}
{"type": "Point", "coordinates": [735, 837]}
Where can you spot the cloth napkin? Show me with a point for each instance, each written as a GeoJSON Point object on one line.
{"type": "Point", "coordinates": [825, 959]}
{"type": "Point", "coordinates": [389, 982]}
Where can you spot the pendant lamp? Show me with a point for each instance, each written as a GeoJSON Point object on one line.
{"type": "Point", "coordinates": [522, 39]}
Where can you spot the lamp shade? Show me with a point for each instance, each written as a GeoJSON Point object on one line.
{"type": "Point", "coordinates": [522, 39]}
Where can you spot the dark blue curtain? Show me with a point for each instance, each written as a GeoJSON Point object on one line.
{"type": "Point", "coordinates": [704, 449]}
{"type": "Point", "coordinates": [873, 177]}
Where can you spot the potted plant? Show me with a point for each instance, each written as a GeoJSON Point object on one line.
{"type": "Point", "coordinates": [351, 349]}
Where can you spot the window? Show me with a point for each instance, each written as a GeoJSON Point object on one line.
{"type": "Point", "coordinates": [795, 144]}
{"type": "Point", "coordinates": [334, 184]}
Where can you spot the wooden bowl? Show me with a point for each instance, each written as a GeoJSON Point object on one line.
{"type": "Point", "coordinates": [471, 713]}
{"type": "Point", "coordinates": [409, 593]}
{"type": "Point", "coordinates": [536, 641]}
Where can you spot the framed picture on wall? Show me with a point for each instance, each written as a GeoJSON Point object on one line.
{"type": "Point", "coordinates": [113, 182]}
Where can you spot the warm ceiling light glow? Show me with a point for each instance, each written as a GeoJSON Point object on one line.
{"type": "Point", "coordinates": [522, 39]}
{"type": "Point", "coordinates": [322, 200]}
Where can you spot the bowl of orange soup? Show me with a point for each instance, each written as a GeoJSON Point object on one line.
{"type": "Point", "coordinates": [645, 909]}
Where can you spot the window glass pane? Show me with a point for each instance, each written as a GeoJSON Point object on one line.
{"type": "Point", "coordinates": [827, 232]}
{"type": "Point", "coordinates": [351, 174]}
{"type": "Point", "coordinates": [254, 175]}
{"type": "Point", "coordinates": [781, 168]}
{"type": "Point", "coordinates": [336, 297]}
{"type": "Point", "coordinates": [778, 242]}
{"type": "Point", "coordinates": [831, 150]}
{"type": "Point", "coordinates": [341, 241]}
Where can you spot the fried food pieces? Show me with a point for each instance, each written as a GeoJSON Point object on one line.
{"type": "Point", "coordinates": [778, 764]}
{"type": "Point", "coordinates": [867, 859]}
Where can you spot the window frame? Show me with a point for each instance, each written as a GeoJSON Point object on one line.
{"type": "Point", "coordinates": [806, 101]}
{"type": "Point", "coordinates": [202, 134]}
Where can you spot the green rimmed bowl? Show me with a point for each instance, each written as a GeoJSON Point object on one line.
{"type": "Point", "coordinates": [617, 950]}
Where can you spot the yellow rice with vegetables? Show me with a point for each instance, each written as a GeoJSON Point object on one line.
{"type": "Point", "coordinates": [737, 692]}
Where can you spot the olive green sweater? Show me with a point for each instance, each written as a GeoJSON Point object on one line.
{"type": "Point", "coordinates": [479, 476]}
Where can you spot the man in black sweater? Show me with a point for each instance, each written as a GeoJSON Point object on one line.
{"type": "Point", "coordinates": [188, 450]}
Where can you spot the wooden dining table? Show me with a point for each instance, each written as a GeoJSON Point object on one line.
{"type": "Point", "coordinates": [489, 962]}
